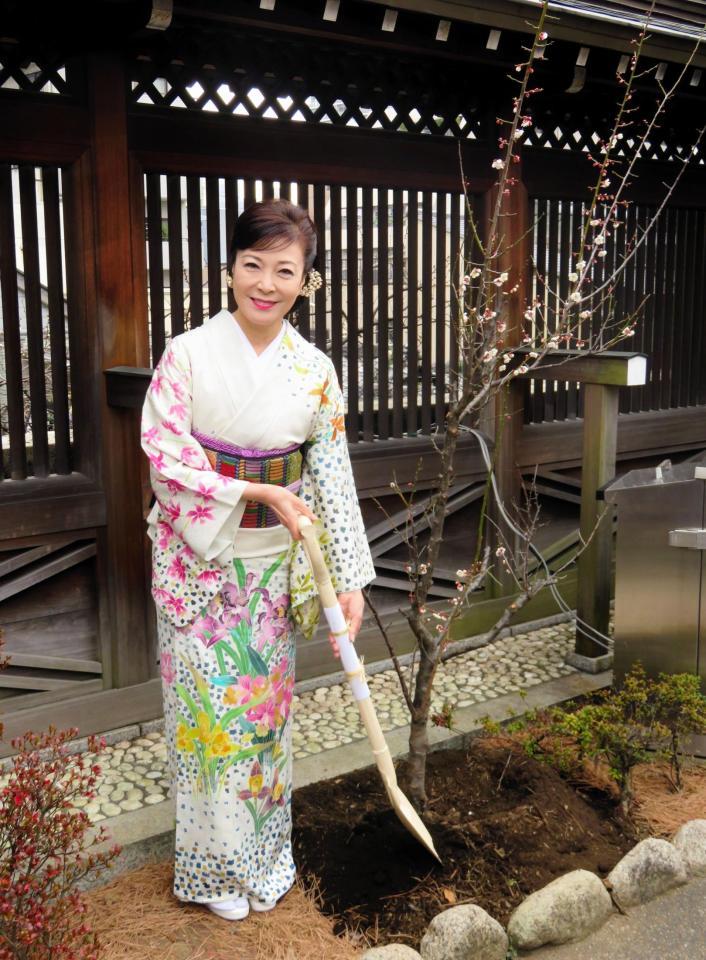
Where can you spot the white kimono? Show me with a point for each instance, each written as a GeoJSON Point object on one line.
{"type": "Point", "coordinates": [226, 595]}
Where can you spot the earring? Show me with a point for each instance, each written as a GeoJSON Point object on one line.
{"type": "Point", "coordinates": [313, 282]}
{"type": "Point", "coordinates": [229, 280]}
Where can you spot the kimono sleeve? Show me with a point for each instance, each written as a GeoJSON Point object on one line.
{"type": "Point", "coordinates": [328, 487]}
{"type": "Point", "coordinates": [203, 507]}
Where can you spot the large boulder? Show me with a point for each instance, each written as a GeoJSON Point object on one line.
{"type": "Point", "coordinates": [464, 933]}
{"type": "Point", "coordinates": [690, 842]}
{"type": "Point", "coordinates": [652, 867]}
{"type": "Point", "coordinates": [391, 951]}
{"type": "Point", "coordinates": [568, 908]}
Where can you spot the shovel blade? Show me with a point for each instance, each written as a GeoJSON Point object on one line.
{"type": "Point", "coordinates": [410, 818]}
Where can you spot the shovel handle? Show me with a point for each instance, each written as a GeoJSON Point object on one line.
{"type": "Point", "coordinates": [317, 562]}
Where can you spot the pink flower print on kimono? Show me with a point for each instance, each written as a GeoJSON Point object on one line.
{"type": "Point", "coordinates": [198, 508]}
{"type": "Point", "coordinates": [208, 630]}
{"type": "Point", "coordinates": [166, 668]}
{"type": "Point", "coordinates": [273, 622]}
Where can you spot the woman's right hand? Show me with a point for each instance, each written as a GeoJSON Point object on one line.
{"type": "Point", "coordinates": [286, 505]}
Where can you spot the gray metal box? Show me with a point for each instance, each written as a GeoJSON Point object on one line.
{"type": "Point", "coordinates": [660, 570]}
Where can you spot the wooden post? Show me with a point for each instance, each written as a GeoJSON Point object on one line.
{"type": "Point", "coordinates": [504, 417]}
{"type": "Point", "coordinates": [600, 435]}
{"type": "Point", "coordinates": [602, 374]}
{"type": "Point", "coordinates": [121, 322]}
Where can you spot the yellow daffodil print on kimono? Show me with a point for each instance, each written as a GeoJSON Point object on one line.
{"type": "Point", "coordinates": [239, 712]}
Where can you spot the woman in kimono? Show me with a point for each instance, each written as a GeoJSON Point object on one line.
{"type": "Point", "coordinates": [243, 425]}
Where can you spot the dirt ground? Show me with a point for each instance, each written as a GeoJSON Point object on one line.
{"type": "Point", "coordinates": [503, 823]}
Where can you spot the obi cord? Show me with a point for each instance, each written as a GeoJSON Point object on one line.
{"type": "Point", "coordinates": [279, 466]}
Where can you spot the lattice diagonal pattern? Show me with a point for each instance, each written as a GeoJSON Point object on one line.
{"type": "Point", "coordinates": [368, 103]}
{"type": "Point", "coordinates": [32, 77]}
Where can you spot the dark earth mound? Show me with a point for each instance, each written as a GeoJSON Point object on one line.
{"type": "Point", "coordinates": [503, 823]}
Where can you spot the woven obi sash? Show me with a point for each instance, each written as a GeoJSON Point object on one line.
{"type": "Point", "coordinates": [283, 467]}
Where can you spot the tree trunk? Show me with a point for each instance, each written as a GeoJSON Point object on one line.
{"type": "Point", "coordinates": [417, 762]}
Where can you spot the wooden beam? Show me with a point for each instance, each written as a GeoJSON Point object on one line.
{"type": "Point", "coordinates": [612, 368]}
{"type": "Point", "coordinates": [122, 333]}
{"type": "Point", "coordinates": [95, 712]}
{"type": "Point", "coordinates": [163, 139]}
{"type": "Point", "coordinates": [30, 579]}
{"type": "Point", "coordinates": [127, 386]}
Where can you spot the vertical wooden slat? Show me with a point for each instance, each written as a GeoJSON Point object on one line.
{"type": "Point", "coordinates": [573, 211]}
{"type": "Point", "coordinates": [397, 314]}
{"type": "Point", "coordinates": [57, 328]}
{"type": "Point", "coordinates": [412, 311]}
{"type": "Point", "coordinates": [11, 328]}
{"type": "Point", "coordinates": [440, 318]}
{"type": "Point", "coordinates": [541, 227]}
{"type": "Point", "coordinates": [426, 310]}
{"type": "Point", "coordinates": [618, 240]}
{"type": "Point", "coordinates": [303, 308]}
{"type": "Point", "coordinates": [651, 288]}
{"type": "Point", "coordinates": [644, 327]}
{"type": "Point", "coordinates": [249, 193]}
{"type": "Point", "coordinates": [213, 246]}
{"type": "Point", "coordinates": [368, 316]}
{"type": "Point", "coordinates": [336, 281]}
{"type": "Point", "coordinates": [550, 386]}
{"type": "Point", "coordinates": [664, 305]}
{"type": "Point", "coordinates": [698, 353]}
{"type": "Point", "coordinates": [193, 226]}
{"type": "Point", "coordinates": [231, 190]}
{"type": "Point", "coordinates": [455, 301]}
{"type": "Point", "coordinates": [352, 283]}
{"type": "Point", "coordinates": [156, 265]}
{"type": "Point", "coordinates": [383, 345]}
{"type": "Point", "coordinates": [35, 327]}
{"type": "Point", "coordinates": [630, 286]}
{"type": "Point", "coordinates": [176, 262]}
{"type": "Point", "coordinates": [320, 331]}
{"type": "Point", "coordinates": [681, 374]}
{"type": "Point", "coordinates": [564, 252]}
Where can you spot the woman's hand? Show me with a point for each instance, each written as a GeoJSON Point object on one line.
{"type": "Point", "coordinates": [352, 605]}
{"type": "Point", "coordinates": [286, 505]}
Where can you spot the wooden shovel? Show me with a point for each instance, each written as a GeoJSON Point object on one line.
{"type": "Point", "coordinates": [361, 694]}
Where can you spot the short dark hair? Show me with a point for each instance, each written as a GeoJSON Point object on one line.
{"type": "Point", "coordinates": [274, 223]}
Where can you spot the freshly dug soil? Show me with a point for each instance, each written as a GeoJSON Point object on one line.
{"type": "Point", "coordinates": [503, 824]}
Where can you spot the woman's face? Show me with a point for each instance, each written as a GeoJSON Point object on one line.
{"type": "Point", "coordinates": [266, 283]}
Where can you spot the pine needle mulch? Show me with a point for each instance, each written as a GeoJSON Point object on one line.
{"type": "Point", "coordinates": [660, 807]}
{"type": "Point", "coordinates": [137, 918]}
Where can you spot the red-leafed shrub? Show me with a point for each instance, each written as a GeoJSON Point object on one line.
{"type": "Point", "coordinates": [46, 849]}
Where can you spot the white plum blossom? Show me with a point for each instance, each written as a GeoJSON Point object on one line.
{"type": "Point", "coordinates": [475, 273]}
{"type": "Point", "coordinates": [498, 164]}
{"type": "Point", "coordinates": [585, 314]}
{"type": "Point", "coordinates": [599, 240]}
{"type": "Point", "coordinates": [580, 264]}
{"type": "Point", "coordinates": [490, 355]}
{"type": "Point", "coordinates": [602, 253]}
{"type": "Point", "coordinates": [628, 332]}
{"type": "Point", "coordinates": [576, 296]}
{"type": "Point", "coordinates": [573, 277]}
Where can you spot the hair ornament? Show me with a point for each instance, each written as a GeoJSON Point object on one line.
{"type": "Point", "coordinates": [313, 282]}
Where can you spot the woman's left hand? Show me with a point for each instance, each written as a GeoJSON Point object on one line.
{"type": "Point", "coordinates": [352, 605]}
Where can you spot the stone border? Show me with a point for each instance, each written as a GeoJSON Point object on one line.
{"type": "Point", "coordinates": [566, 910]}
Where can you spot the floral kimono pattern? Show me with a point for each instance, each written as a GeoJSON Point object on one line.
{"type": "Point", "coordinates": [227, 598]}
